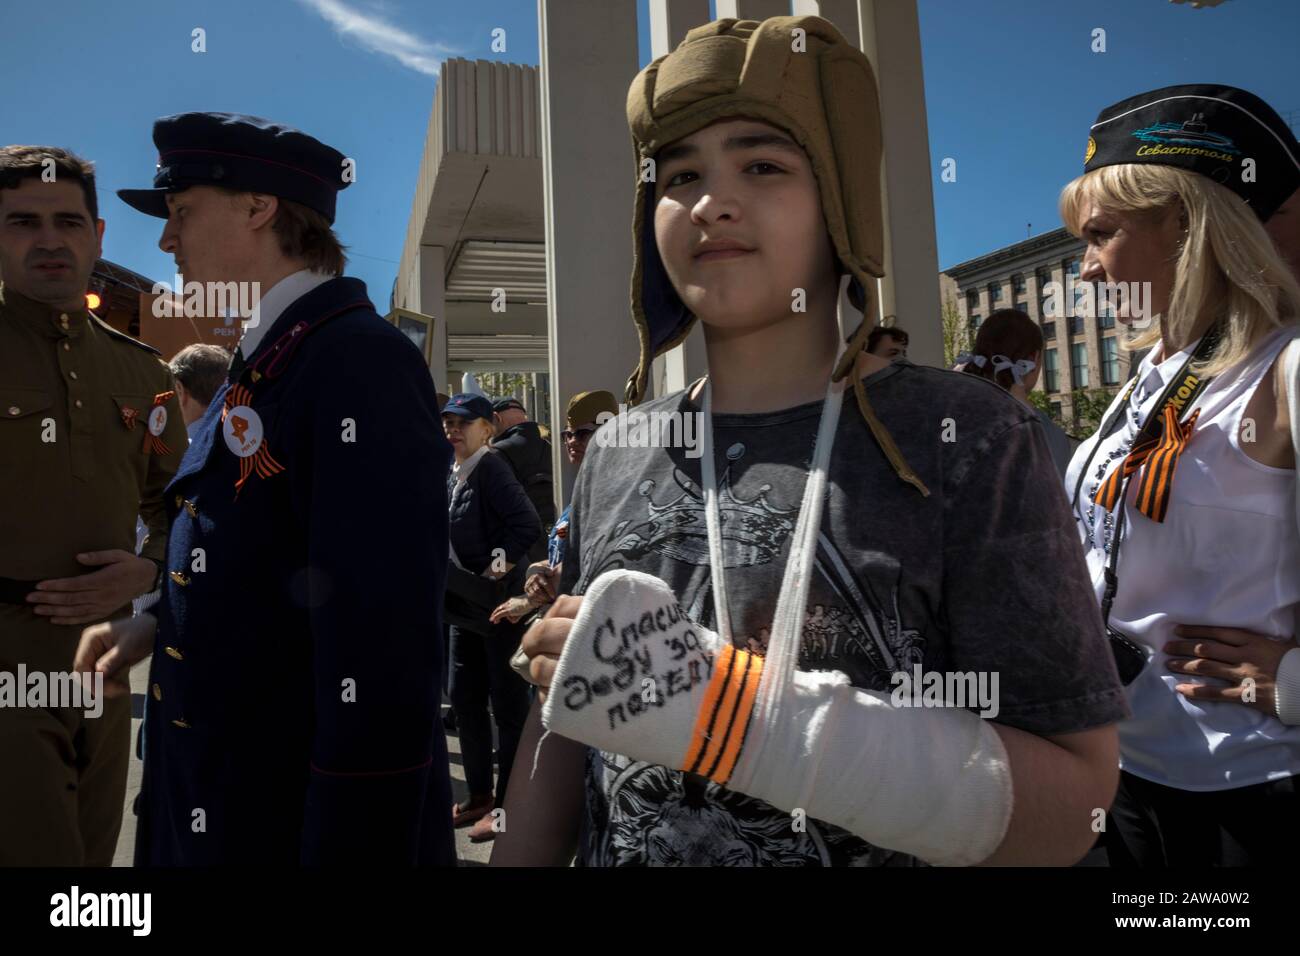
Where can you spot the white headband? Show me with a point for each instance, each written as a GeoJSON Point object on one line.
{"type": "Point", "coordinates": [1000, 364]}
{"type": "Point", "coordinates": [1018, 369]}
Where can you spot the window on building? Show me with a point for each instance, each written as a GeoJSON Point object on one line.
{"type": "Point", "coordinates": [1018, 282]}
{"type": "Point", "coordinates": [1105, 309]}
{"type": "Point", "coordinates": [1084, 302]}
{"type": "Point", "coordinates": [1109, 361]}
{"type": "Point", "coordinates": [1076, 324]}
{"type": "Point", "coordinates": [1056, 410]}
{"type": "Point", "coordinates": [1049, 331]}
{"type": "Point", "coordinates": [972, 299]}
{"type": "Point", "coordinates": [975, 321]}
{"type": "Point", "coordinates": [1045, 298]}
{"type": "Point", "coordinates": [1072, 266]}
{"type": "Point", "coordinates": [1049, 370]}
{"type": "Point", "coordinates": [995, 292]}
{"type": "Point", "coordinates": [1079, 365]}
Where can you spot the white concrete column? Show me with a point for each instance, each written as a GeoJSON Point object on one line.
{"type": "Point", "coordinates": [670, 20]}
{"type": "Point", "coordinates": [752, 9]}
{"type": "Point", "coordinates": [844, 15]}
{"type": "Point", "coordinates": [432, 269]}
{"type": "Point", "coordinates": [588, 59]}
{"type": "Point", "coordinates": [891, 39]}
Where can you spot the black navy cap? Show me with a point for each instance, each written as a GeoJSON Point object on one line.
{"type": "Point", "coordinates": [468, 405]}
{"type": "Point", "coordinates": [1207, 129]}
{"type": "Point", "coordinates": [504, 404]}
{"type": "Point", "coordinates": [243, 153]}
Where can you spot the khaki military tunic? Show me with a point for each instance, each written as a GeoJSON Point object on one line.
{"type": "Point", "coordinates": [75, 471]}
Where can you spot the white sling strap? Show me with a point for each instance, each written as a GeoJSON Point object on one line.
{"type": "Point", "coordinates": [787, 625]}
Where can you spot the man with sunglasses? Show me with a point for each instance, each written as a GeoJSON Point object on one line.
{"type": "Point", "coordinates": [580, 424]}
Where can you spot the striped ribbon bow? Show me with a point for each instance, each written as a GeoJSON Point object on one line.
{"type": "Point", "coordinates": [154, 443]}
{"type": "Point", "coordinates": [260, 461]}
{"type": "Point", "coordinates": [1157, 457]}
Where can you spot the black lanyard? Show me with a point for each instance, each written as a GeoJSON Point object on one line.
{"type": "Point", "coordinates": [1181, 392]}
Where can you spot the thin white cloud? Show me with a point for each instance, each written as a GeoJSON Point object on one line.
{"type": "Point", "coordinates": [378, 35]}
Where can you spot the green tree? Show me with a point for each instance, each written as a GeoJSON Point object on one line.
{"type": "Point", "coordinates": [956, 336]}
{"type": "Point", "coordinates": [1041, 402]}
{"type": "Point", "coordinates": [1089, 408]}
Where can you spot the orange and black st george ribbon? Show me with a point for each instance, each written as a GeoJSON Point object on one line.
{"type": "Point", "coordinates": [260, 460]}
{"type": "Point", "coordinates": [1157, 448]}
{"type": "Point", "coordinates": [153, 433]}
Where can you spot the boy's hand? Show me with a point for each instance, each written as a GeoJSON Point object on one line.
{"type": "Point", "coordinates": [544, 641]}
{"type": "Point", "coordinates": [113, 647]}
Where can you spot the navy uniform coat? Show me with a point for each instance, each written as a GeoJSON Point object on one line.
{"type": "Point", "coordinates": [296, 681]}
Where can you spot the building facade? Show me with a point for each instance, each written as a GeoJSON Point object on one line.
{"type": "Point", "coordinates": [1040, 276]}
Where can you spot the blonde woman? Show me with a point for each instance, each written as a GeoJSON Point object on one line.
{"type": "Point", "coordinates": [1192, 475]}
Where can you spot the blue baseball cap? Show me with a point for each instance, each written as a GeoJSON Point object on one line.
{"type": "Point", "coordinates": [469, 406]}
{"type": "Point", "coordinates": [243, 153]}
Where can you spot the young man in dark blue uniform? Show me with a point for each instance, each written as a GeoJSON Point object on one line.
{"type": "Point", "coordinates": [294, 690]}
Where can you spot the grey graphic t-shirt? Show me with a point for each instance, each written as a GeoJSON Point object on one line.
{"type": "Point", "coordinates": [984, 575]}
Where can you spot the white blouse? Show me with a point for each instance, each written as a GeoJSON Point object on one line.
{"type": "Point", "coordinates": [1227, 554]}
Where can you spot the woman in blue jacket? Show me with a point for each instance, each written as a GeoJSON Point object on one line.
{"type": "Point", "coordinates": [492, 523]}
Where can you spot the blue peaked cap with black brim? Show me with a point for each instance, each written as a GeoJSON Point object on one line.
{"type": "Point", "coordinates": [244, 153]}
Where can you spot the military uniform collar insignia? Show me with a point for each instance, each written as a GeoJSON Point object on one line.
{"type": "Point", "coordinates": [40, 316]}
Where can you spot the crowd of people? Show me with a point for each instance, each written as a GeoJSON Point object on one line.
{"type": "Point", "coordinates": [703, 659]}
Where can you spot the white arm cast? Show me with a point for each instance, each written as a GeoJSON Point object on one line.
{"type": "Point", "coordinates": [640, 679]}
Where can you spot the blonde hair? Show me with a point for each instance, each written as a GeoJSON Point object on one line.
{"type": "Point", "coordinates": [1227, 267]}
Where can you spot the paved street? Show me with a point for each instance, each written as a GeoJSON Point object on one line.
{"type": "Point", "coordinates": [470, 854]}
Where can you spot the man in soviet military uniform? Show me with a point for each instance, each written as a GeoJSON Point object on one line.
{"type": "Point", "coordinates": [90, 434]}
{"type": "Point", "coordinates": [296, 675]}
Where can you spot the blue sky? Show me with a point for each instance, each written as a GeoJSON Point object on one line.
{"type": "Point", "coordinates": [1011, 88]}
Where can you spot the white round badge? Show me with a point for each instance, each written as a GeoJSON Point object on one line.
{"type": "Point", "coordinates": [157, 420]}
{"type": "Point", "coordinates": [243, 431]}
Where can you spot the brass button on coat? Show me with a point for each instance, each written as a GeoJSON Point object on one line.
{"type": "Point", "coordinates": [184, 725]}
{"type": "Point", "coordinates": [157, 692]}
{"type": "Point", "coordinates": [174, 653]}
{"type": "Point", "coordinates": [180, 577]}
{"type": "Point", "coordinates": [72, 375]}
{"type": "Point", "coordinates": [193, 511]}
{"type": "Point", "coordinates": [15, 410]}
